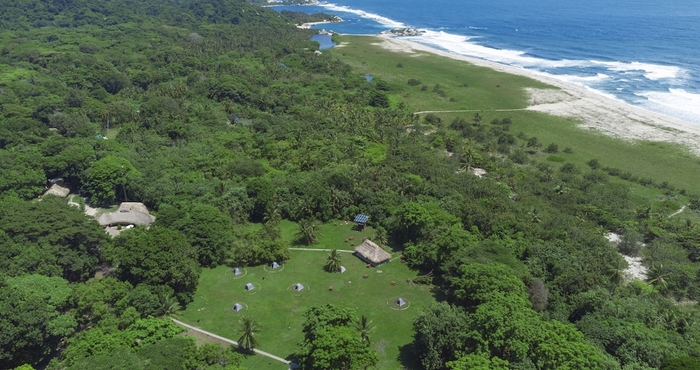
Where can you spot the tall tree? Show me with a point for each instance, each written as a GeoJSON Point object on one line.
{"type": "Point", "coordinates": [333, 262]}
{"type": "Point", "coordinates": [157, 256]}
{"type": "Point", "coordinates": [248, 329]}
{"type": "Point", "coordinates": [364, 326]}
{"type": "Point", "coordinates": [308, 231]}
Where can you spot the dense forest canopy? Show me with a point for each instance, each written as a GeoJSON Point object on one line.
{"type": "Point", "coordinates": [219, 113]}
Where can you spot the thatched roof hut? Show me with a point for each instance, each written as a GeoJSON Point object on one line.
{"type": "Point", "coordinates": [129, 213]}
{"type": "Point", "coordinates": [58, 189]}
{"type": "Point", "coordinates": [372, 253]}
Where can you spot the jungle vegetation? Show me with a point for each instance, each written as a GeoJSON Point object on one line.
{"type": "Point", "coordinates": [219, 113]}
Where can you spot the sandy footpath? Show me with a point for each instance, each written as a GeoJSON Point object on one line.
{"type": "Point", "coordinates": [595, 111]}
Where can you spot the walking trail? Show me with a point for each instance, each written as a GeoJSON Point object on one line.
{"type": "Point", "coordinates": [677, 212]}
{"type": "Point", "coordinates": [188, 326]}
{"type": "Point", "coordinates": [470, 110]}
{"type": "Point", "coordinates": [320, 250]}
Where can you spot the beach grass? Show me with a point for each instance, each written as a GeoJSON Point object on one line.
{"type": "Point", "coordinates": [279, 308]}
{"type": "Point", "coordinates": [495, 94]}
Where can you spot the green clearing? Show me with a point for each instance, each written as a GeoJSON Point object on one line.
{"type": "Point", "coordinates": [330, 235]}
{"type": "Point", "coordinates": [488, 90]}
{"type": "Point", "coordinates": [279, 309]}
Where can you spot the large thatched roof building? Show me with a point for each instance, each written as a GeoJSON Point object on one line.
{"type": "Point", "coordinates": [371, 253]}
{"type": "Point", "coordinates": [58, 189]}
{"type": "Point", "coordinates": [129, 213]}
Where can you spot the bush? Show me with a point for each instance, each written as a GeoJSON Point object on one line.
{"type": "Point", "coordinates": [519, 157]}
{"type": "Point", "coordinates": [593, 163]}
{"type": "Point", "coordinates": [552, 148]}
{"type": "Point", "coordinates": [424, 88]}
{"type": "Point", "coordinates": [432, 119]}
{"type": "Point", "coordinates": [568, 150]}
{"type": "Point", "coordinates": [414, 82]}
{"type": "Point", "coordinates": [569, 168]}
{"type": "Point", "coordinates": [399, 65]}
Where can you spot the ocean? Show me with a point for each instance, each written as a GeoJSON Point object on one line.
{"type": "Point", "coordinates": [642, 52]}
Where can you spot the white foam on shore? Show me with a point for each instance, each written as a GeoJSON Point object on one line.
{"type": "Point", "coordinates": [375, 17]}
{"type": "Point", "coordinates": [677, 102]}
{"type": "Point", "coordinates": [652, 72]}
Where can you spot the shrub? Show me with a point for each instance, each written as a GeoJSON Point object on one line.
{"type": "Point", "coordinates": [552, 148]}
{"type": "Point", "coordinates": [533, 143]}
{"type": "Point", "coordinates": [399, 65]}
{"type": "Point", "coordinates": [413, 82]}
{"type": "Point", "coordinates": [432, 119]}
{"type": "Point", "coordinates": [554, 158]}
{"type": "Point", "coordinates": [424, 88]}
{"type": "Point", "coordinates": [568, 150]}
{"type": "Point", "coordinates": [569, 168]}
{"type": "Point", "coordinates": [593, 163]}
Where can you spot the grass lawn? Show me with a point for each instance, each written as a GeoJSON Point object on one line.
{"type": "Point", "coordinates": [487, 90]}
{"type": "Point", "coordinates": [279, 308]}
{"type": "Point", "coordinates": [331, 235]}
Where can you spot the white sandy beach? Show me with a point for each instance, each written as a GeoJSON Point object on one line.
{"type": "Point", "coordinates": [311, 24]}
{"type": "Point", "coordinates": [595, 111]}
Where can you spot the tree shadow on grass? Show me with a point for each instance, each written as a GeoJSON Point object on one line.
{"type": "Point", "coordinates": [408, 358]}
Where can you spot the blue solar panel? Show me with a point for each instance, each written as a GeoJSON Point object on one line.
{"type": "Point", "coordinates": [361, 219]}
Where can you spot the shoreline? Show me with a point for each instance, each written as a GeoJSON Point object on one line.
{"type": "Point", "coordinates": [595, 111]}
{"type": "Point", "coordinates": [308, 25]}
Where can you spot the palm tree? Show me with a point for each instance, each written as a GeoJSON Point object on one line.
{"type": "Point", "coordinates": [364, 326]}
{"type": "Point", "coordinates": [616, 275]}
{"type": "Point", "coordinates": [272, 216]}
{"type": "Point", "coordinates": [333, 262]}
{"type": "Point", "coordinates": [380, 236]}
{"type": "Point", "coordinates": [169, 306]}
{"type": "Point", "coordinates": [657, 276]}
{"type": "Point", "coordinates": [248, 330]}
{"type": "Point", "coordinates": [308, 231]}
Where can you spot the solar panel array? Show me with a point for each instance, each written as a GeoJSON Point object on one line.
{"type": "Point", "coordinates": [361, 219]}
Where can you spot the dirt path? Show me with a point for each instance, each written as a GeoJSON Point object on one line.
{"type": "Point", "coordinates": [320, 250]}
{"type": "Point", "coordinates": [188, 326]}
{"type": "Point", "coordinates": [677, 212]}
{"type": "Point", "coordinates": [470, 110]}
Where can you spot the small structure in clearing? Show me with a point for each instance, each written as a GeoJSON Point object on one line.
{"type": "Point", "coordinates": [342, 269]}
{"type": "Point", "coordinates": [361, 221]}
{"type": "Point", "coordinates": [237, 307]}
{"type": "Point", "coordinates": [275, 265]}
{"type": "Point", "coordinates": [298, 287]}
{"type": "Point", "coordinates": [237, 271]}
{"type": "Point", "coordinates": [58, 188]}
{"type": "Point", "coordinates": [129, 213]}
{"type": "Point", "coordinates": [249, 287]}
{"type": "Point", "coordinates": [400, 302]}
{"type": "Point", "coordinates": [371, 253]}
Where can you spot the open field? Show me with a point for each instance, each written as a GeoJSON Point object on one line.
{"type": "Point", "coordinates": [331, 235]}
{"type": "Point", "coordinates": [279, 308]}
{"type": "Point", "coordinates": [495, 94]}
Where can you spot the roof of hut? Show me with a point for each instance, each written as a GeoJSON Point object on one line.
{"type": "Point", "coordinates": [129, 213]}
{"type": "Point", "coordinates": [58, 189]}
{"type": "Point", "coordinates": [372, 252]}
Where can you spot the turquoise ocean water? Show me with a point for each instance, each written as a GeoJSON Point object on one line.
{"type": "Point", "coordinates": [642, 52]}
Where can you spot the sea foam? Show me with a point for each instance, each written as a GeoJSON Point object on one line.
{"type": "Point", "coordinates": [375, 17]}
{"type": "Point", "coordinates": [675, 102]}
{"type": "Point", "coordinates": [660, 84]}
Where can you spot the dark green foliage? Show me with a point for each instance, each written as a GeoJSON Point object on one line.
{"type": "Point", "coordinates": [157, 256]}
{"type": "Point", "coordinates": [49, 238]}
{"type": "Point", "coordinates": [552, 148]}
{"type": "Point", "coordinates": [211, 132]}
{"type": "Point", "coordinates": [331, 342]}
{"type": "Point", "coordinates": [34, 317]}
